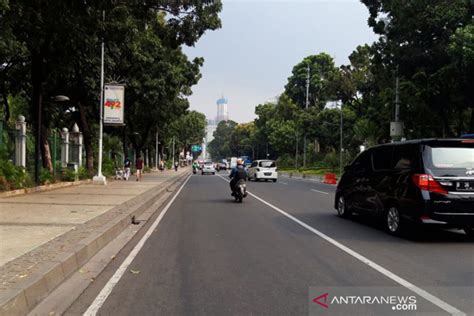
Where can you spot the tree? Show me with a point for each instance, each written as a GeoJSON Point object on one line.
{"type": "Point", "coordinates": [62, 54]}
{"type": "Point", "coordinates": [322, 70]}
{"type": "Point", "coordinates": [221, 146]}
{"type": "Point", "coordinates": [414, 41]}
{"type": "Point", "coordinates": [189, 129]}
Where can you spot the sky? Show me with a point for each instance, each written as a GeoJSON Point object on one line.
{"type": "Point", "coordinates": [251, 57]}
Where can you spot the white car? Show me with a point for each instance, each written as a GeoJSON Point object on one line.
{"type": "Point", "coordinates": [208, 167]}
{"type": "Point", "coordinates": [263, 169]}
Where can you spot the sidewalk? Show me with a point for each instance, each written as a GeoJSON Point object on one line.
{"type": "Point", "coordinates": [44, 237]}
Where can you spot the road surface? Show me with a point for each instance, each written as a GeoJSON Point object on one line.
{"type": "Point", "coordinates": [283, 251]}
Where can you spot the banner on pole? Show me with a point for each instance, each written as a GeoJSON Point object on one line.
{"type": "Point", "coordinates": [114, 104]}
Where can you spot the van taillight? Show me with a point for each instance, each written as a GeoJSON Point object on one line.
{"type": "Point", "coordinates": [428, 183]}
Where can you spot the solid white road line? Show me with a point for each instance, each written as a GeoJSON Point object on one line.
{"type": "Point", "coordinates": [100, 299]}
{"type": "Point", "coordinates": [322, 192]}
{"type": "Point", "coordinates": [283, 183]}
{"type": "Point", "coordinates": [427, 296]}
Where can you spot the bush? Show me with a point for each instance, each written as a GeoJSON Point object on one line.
{"type": "Point", "coordinates": [13, 177]}
{"type": "Point", "coordinates": [83, 174]}
{"type": "Point", "coordinates": [68, 175]}
{"type": "Point", "coordinates": [169, 164]}
{"type": "Point", "coordinates": [46, 177]}
{"type": "Point", "coordinates": [108, 168]}
{"type": "Point", "coordinates": [332, 160]}
{"type": "Point", "coordinates": [146, 169]}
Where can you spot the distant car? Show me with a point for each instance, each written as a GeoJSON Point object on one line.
{"type": "Point", "coordinates": [424, 181]}
{"type": "Point", "coordinates": [221, 166]}
{"type": "Point", "coordinates": [208, 167]}
{"type": "Point", "coordinates": [263, 169]}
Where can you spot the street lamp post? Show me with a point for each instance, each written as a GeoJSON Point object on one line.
{"type": "Point", "coordinates": [340, 140]}
{"type": "Point", "coordinates": [99, 178]}
{"type": "Point", "coordinates": [157, 154]}
{"type": "Point", "coordinates": [307, 105]}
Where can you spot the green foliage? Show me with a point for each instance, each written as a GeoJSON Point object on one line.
{"type": "Point", "coordinates": [12, 177]}
{"type": "Point", "coordinates": [322, 70]}
{"type": "Point", "coordinates": [43, 49]}
{"type": "Point", "coordinates": [221, 146]}
{"type": "Point", "coordinates": [68, 175]}
{"type": "Point", "coordinates": [108, 167]}
{"type": "Point", "coordinates": [83, 174]}
{"type": "Point", "coordinates": [46, 177]}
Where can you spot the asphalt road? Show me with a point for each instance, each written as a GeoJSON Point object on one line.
{"type": "Point", "coordinates": [211, 256]}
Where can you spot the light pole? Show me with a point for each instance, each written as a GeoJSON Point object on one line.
{"type": "Point", "coordinates": [157, 154]}
{"type": "Point", "coordinates": [307, 105]}
{"type": "Point", "coordinates": [99, 178]}
{"type": "Point", "coordinates": [340, 140]}
{"type": "Point", "coordinates": [173, 151]}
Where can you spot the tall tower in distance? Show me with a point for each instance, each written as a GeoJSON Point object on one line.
{"type": "Point", "coordinates": [222, 110]}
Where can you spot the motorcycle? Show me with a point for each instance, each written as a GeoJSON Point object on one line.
{"type": "Point", "coordinates": [240, 191]}
{"type": "Point", "coordinates": [194, 170]}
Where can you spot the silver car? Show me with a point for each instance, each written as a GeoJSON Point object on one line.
{"type": "Point", "coordinates": [208, 167]}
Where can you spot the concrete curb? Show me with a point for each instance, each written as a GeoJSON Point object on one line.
{"type": "Point", "coordinates": [42, 188]}
{"type": "Point", "coordinates": [23, 296]}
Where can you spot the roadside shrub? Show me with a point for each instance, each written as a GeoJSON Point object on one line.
{"type": "Point", "coordinates": [83, 174]}
{"type": "Point", "coordinates": [68, 175]}
{"type": "Point", "coordinates": [331, 159]}
{"type": "Point", "coordinates": [108, 168]}
{"type": "Point", "coordinates": [46, 177]}
{"type": "Point", "coordinates": [13, 177]}
{"type": "Point", "coordinates": [146, 169]}
{"type": "Point", "coordinates": [169, 164]}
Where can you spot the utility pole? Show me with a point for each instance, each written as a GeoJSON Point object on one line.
{"type": "Point", "coordinates": [307, 105]}
{"type": "Point", "coordinates": [396, 127]}
{"type": "Point", "coordinates": [173, 151]}
{"type": "Point", "coordinates": [157, 154]}
{"type": "Point", "coordinates": [340, 141]}
{"type": "Point", "coordinates": [296, 152]}
{"type": "Point", "coordinates": [99, 178]}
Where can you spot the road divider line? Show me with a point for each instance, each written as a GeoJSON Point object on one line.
{"type": "Point", "coordinates": [322, 192]}
{"type": "Point", "coordinates": [107, 289]}
{"type": "Point", "coordinates": [410, 286]}
{"type": "Point", "coordinates": [283, 183]}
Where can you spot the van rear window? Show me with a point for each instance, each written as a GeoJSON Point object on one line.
{"type": "Point", "coordinates": [449, 161]}
{"type": "Point", "coordinates": [445, 157]}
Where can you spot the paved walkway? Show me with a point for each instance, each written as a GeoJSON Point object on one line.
{"type": "Point", "coordinates": [31, 220]}
{"type": "Point", "coordinates": [47, 236]}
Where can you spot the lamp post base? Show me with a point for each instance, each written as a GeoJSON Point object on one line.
{"type": "Point", "coordinates": [99, 179]}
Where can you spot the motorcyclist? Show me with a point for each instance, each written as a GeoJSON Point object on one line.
{"type": "Point", "coordinates": [237, 173]}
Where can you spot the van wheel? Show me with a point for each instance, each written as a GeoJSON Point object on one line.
{"type": "Point", "coordinates": [469, 231]}
{"type": "Point", "coordinates": [342, 209]}
{"type": "Point", "coordinates": [393, 220]}
{"type": "Point", "coordinates": [274, 180]}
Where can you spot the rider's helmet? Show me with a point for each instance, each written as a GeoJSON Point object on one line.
{"type": "Point", "coordinates": [240, 162]}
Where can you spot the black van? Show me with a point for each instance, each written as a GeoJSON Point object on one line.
{"type": "Point", "coordinates": [428, 181]}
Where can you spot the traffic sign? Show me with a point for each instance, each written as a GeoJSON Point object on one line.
{"type": "Point", "coordinates": [196, 148]}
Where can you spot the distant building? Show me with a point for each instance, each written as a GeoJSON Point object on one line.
{"type": "Point", "coordinates": [222, 110]}
{"type": "Point", "coordinates": [222, 115]}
